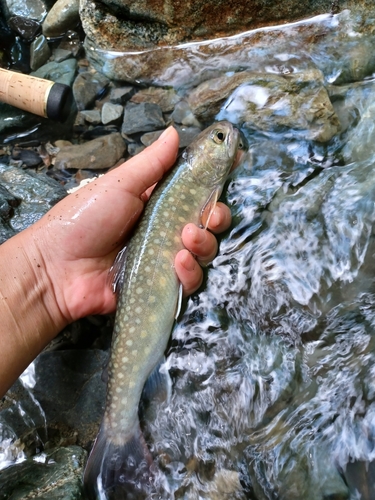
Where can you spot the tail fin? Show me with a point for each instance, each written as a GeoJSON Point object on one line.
{"type": "Point", "coordinates": [119, 471]}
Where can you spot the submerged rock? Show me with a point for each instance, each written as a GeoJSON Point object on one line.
{"type": "Point", "coordinates": [36, 193]}
{"type": "Point", "coordinates": [100, 153]}
{"type": "Point", "coordinates": [54, 475]}
{"type": "Point", "coordinates": [269, 102]}
{"type": "Point", "coordinates": [143, 117]}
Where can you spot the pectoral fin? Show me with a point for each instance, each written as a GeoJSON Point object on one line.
{"type": "Point", "coordinates": [209, 207]}
{"type": "Point", "coordinates": [117, 272]}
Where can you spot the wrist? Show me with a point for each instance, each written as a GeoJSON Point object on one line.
{"type": "Point", "coordinates": [29, 315]}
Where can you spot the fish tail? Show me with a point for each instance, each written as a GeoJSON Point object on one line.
{"type": "Point", "coordinates": [119, 471]}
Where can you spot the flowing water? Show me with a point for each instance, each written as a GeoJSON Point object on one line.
{"type": "Point", "coordinates": [272, 362]}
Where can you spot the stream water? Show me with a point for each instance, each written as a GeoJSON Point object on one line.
{"type": "Point", "coordinates": [273, 361]}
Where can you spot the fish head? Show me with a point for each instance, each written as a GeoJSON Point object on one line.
{"type": "Point", "coordinates": [214, 153]}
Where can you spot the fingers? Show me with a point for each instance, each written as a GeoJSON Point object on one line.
{"type": "Point", "coordinates": [200, 242]}
{"type": "Point", "coordinates": [149, 166]}
{"type": "Point", "coordinates": [220, 219]}
{"type": "Point", "coordinates": [188, 271]}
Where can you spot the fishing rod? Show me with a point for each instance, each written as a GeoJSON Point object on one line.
{"type": "Point", "coordinates": [36, 95]}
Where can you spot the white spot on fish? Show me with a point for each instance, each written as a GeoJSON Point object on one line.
{"type": "Point", "coordinates": [125, 359]}
{"type": "Point", "coordinates": [193, 191]}
{"type": "Point", "coordinates": [129, 342]}
{"type": "Point", "coordinates": [135, 352]}
{"type": "Point", "coordinates": [120, 375]}
{"type": "Point", "coordinates": [132, 329]}
{"type": "Point", "coordinates": [147, 350]}
{"type": "Point", "coordinates": [139, 290]}
{"type": "Point", "coordinates": [186, 207]}
{"type": "Point", "coordinates": [143, 334]}
{"type": "Point", "coordinates": [118, 390]}
{"type": "Point", "coordinates": [151, 251]}
{"type": "Point", "coordinates": [151, 299]}
{"type": "Point", "coordinates": [132, 300]}
{"type": "Point", "coordinates": [131, 384]}
{"type": "Point", "coordinates": [148, 269]}
{"type": "Point", "coordinates": [138, 310]}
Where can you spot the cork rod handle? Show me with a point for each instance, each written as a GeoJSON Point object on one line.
{"type": "Point", "coordinates": [36, 95]}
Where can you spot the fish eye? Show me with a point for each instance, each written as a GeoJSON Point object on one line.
{"type": "Point", "coordinates": [219, 136]}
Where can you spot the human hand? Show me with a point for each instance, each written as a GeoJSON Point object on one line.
{"type": "Point", "coordinates": [79, 238]}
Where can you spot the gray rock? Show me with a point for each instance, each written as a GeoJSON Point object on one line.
{"type": "Point", "coordinates": [182, 114]}
{"type": "Point", "coordinates": [31, 9]}
{"type": "Point", "coordinates": [121, 95]}
{"type": "Point", "coordinates": [87, 87]}
{"type": "Point", "coordinates": [100, 153]}
{"type": "Point", "coordinates": [36, 192]}
{"type": "Point", "coordinates": [60, 55]}
{"type": "Point", "coordinates": [54, 475]}
{"type": "Point", "coordinates": [70, 390]}
{"type": "Point", "coordinates": [92, 116]}
{"type": "Point", "coordinates": [165, 98]}
{"type": "Point", "coordinates": [134, 148]}
{"type": "Point", "coordinates": [111, 112]}
{"type": "Point", "coordinates": [149, 137]}
{"type": "Point", "coordinates": [63, 72]}
{"type": "Point", "coordinates": [63, 16]}
{"type": "Point", "coordinates": [144, 117]}
{"type": "Point", "coordinates": [39, 52]}
{"type": "Point", "coordinates": [187, 134]}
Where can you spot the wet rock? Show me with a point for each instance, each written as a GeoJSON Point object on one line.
{"type": "Point", "coordinates": [37, 193]}
{"type": "Point", "coordinates": [134, 148]}
{"type": "Point", "coordinates": [7, 204]}
{"type": "Point", "coordinates": [111, 112]}
{"type": "Point", "coordinates": [87, 87]}
{"type": "Point", "coordinates": [361, 140]}
{"type": "Point", "coordinates": [26, 28]}
{"type": "Point", "coordinates": [100, 153]}
{"type": "Point", "coordinates": [269, 102]}
{"type": "Point", "coordinates": [63, 72]}
{"type": "Point", "coordinates": [54, 475]}
{"type": "Point", "coordinates": [121, 95]}
{"type": "Point", "coordinates": [72, 42]}
{"type": "Point", "coordinates": [71, 392]}
{"type": "Point", "coordinates": [144, 117]}
{"type": "Point", "coordinates": [165, 98]}
{"type": "Point", "coordinates": [184, 22]}
{"type": "Point", "coordinates": [187, 134]}
{"type": "Point", "coordinates": [150, 137]}
{"type": "Point", "coordinates": [92, 116]}
{"type": "Point", "coordinates": [28, 157]}
{"type": "Point", "coordinates": [39, 52]}
{"type": "Point", "coordinates": [31, 9]}
{"type": "Point", "coordinates": [60, 55]}
{"type": "Point", "coordinates": [183, 115]}
{"type": "Point", "coordinates": [62, 17]}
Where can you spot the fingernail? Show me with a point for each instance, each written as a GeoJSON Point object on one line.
{"type": "Point", "coordinates": [188, 262]}
{"type": "Point", "coordinates": [165, 133]}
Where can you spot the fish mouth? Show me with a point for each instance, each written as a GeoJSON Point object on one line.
{"type": "Point", "coordinates": [242, 148]}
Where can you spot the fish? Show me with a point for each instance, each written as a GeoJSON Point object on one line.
{"type": "Point", "coordinates": [148, 303]}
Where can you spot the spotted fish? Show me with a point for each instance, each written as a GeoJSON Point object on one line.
{"type": "Point", "coordinates": [148, 304]}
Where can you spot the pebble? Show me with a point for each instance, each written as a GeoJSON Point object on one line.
{"type": "Point", "coordinates": [31, 9]}
{"type": "Point", "coordinates": [63, 72]}
{"type": "Point", "coordinates": [121, 95]}
{"type": "Point", "coordinates": [100, 153]}
{"type": "Point", "coordinates": [165, 98]}
{"type": "Point", "coordinates": [92, 116]}
{"type": "Point", "coordinates": [143, 117]}
{"type": "Point", "coordinates": [26, 28]}
{"type": "Point", "coordinates": [87, 87]}
{"type": "Point", "coordinates": [39, 52]}
{"type": "Point", "coordinates": [111, 112]}
{"type": "Point", "coordinates": [63, 16]}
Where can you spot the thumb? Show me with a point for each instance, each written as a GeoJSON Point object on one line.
{"type": "Point", "coordinates": [148, 167]}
